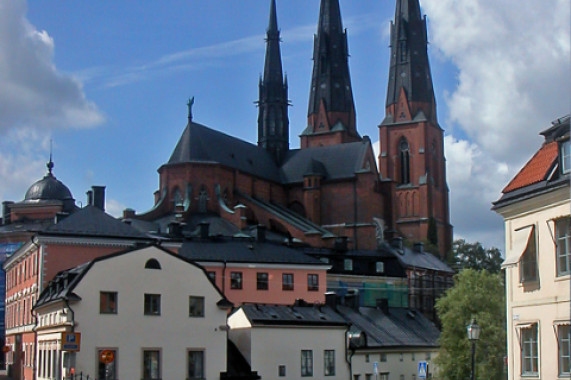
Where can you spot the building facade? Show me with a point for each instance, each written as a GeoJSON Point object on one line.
{"type": "Point", "coordinates": [536, 211]}
{"type": "Point", "coordinates": [137, 320]}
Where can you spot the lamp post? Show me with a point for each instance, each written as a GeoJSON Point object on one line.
{"type": "Point", "coordinates": [473, 335]}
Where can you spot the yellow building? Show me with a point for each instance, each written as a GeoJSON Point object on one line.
{"type": "Point", "coordinates": [535, 206]}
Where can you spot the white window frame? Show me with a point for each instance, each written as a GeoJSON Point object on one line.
{"type": "Point", "coordinates": [530, 343]}
{"type": "Point", "coordinates": [564, 356]}
{"type": "Point", "coordinates": [563, 246]}
{"type": "Point", "coordinates": [306, 363]}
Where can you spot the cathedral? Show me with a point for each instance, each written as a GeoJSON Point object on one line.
{"type": "Point", "coordinates": [332, 192]}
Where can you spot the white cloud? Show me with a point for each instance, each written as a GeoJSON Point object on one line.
{"type": "Point", "coordinates": [513, 59]}
{"type": "Point", "coordinates": [20, 168]}
{"type": "Point", "coordinates": [114, 207]}
{"type": "Point", "coordinates": [34, 93]}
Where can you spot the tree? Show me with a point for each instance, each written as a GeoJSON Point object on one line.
{"type": "Point", "coordinates": [475, 256]}
{"type": "Point", "coordinates": [480, 295]}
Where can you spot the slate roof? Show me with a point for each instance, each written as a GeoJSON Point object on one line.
{"type": "Point", "coordinates": [244, 251]}
{"type": "Point", "coordinates": [536, 169]}
{"type": "Point", "coordinates": [199, 143]}
{"type": "Point", "coordinates": [400, 327]}
{"type": "Point", "coordinates": [315, 315]}
{"type": "Point", "coordinates": [411, 258]}
{"type": "Point", "coordinates": [91, 221]}
{"type": "Point", "coordinates": [335, 161]}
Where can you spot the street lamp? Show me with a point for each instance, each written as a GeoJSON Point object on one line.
{"type": "Point", "coordinates": [473, 335]}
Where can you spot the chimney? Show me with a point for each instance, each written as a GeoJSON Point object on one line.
{"type": "Point", "coordinates": [99, 197]}
{"type": "Point", "coordinates": [89, 197]}
{"type": "Point", "coordinates": [396, 243]}
{"type": "Point", "coordinates": [204, 227]}
{"type": "Point", "coordinates": [383, 304]}
{"type": "Point", "coordinates": [128, 213]}
{"type": "Point", "coordinates": [261, 233]}
{"type": "Point", "coordinates": [175, 229]}
{"type": "Point", "coordinates": [419, 247]}
{"type": "Point", "coordinates": [6, 211]}
{"type": "Point", "coordinates": [340, 243]}
{"type": "Point", "coordinates": [352, 299]}
{"type": "Point", "coordinates": [331, 300]}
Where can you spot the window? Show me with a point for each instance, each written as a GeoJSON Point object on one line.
{"type": "Point", "coordinates": [236, 280]}
{"type": "Point", "coordinates": [212, 276]}
{"type": "Point", "coordinates": [195, 365]}
{"type": "Point", "coordinates": [108, 302]}
{"type": "Point", "coordinates": [384, 376]}
{"type": "Point", "coordinates": [566, 156]}
{"type": "Point", "coordinates": [329, 362]}
{"type": "Point", "coordinates": [528, 261]}
{"type": "Point", "coordinates": [380, 267]}
{"type": "Point", "coordinates": [196, 306]}
{"type": "Point", "coordinates": [348, 264]}
{"type": "Point", "coordinates": [564, 338]}
{"type": "Point", "coordinates": [312, 282]}
{"type": "Point", "coordinates": [529, 350]}
{"type": "Point", "coordinates": [281, 370]}
{"type": "Point", "coordinates": [404, 150]}
{"type": "Point", "coordinates": [563, 246]}
{"type": "Point", "coordinates": [401, 357]}
{"type": "Point", "coordinates": [151, 365]}
{"type": "Point", "coordinates": [152, 304]}
{"type": "Point", "coordinates": [383, 357]}
{"type": "Point", "coordinates": [368, 376]}
{"type": "Point", "coordinates": [105, 371]}
{"type": "Point", "coordinates": [367, 358]}
{"type": "Point", "coordinates": [152, 264]}
{"type": "Point", "coordinates": [306, 363]}
{"type": "Point", "coordinates": [412, 357]}
{"type": "Point", "coordinates": [262, 281]}
{"type": "Point", "coordinates": [287, 281]}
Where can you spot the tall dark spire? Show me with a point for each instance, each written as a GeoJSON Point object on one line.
{"type": "Point", "coordinates": [273, 121]}
{"type": "Point", "coordinates": [331, 108]}
{"type": "Point", "coordinates": [409, 74]}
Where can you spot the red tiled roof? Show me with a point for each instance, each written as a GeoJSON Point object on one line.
{"type": "Point", "coordinates": [536, 169]}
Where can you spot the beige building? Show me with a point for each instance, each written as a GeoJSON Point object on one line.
{"type": "Point", "coordinates": [535, 206]}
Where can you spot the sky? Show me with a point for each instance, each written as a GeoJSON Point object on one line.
{"type": "Point", "coordinates": [107, 83]}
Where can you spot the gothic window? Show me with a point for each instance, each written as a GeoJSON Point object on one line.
{"type": "Point", "coordinates": [202, 200]}
{"type": "Point", "coordinates": [404, 161]}
{"type": "Point", "coordinates": [435, 175]}
{"type": "Point", "coordinates": [403, 50]}
{"type": "Point", "coordinates": [177, 197]}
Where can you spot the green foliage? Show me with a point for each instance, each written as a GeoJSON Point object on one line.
{"type": "Point", "coordinates": [432, 233]}
{"type": "Point", "coordinates": [475, 256]}
{"type": "Point", "coordinates": [477, 294]}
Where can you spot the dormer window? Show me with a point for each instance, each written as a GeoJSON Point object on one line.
{"type": "Point", "coordinates": [152, 264]}
{"type": "Point", "coordinates": [566, 156]}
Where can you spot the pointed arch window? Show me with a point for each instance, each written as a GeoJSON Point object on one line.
{"type": "Point", "coordinates": [404, 152]}
{"type": "Point", "coordinates": [202, 200]}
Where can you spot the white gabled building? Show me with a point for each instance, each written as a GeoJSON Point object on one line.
{"type": "Point", "coordinates": [155, 314]}
{"type": "Point", "coordinates": [291, 342]}
{"type": "Point", "coordinates": [535, 206]}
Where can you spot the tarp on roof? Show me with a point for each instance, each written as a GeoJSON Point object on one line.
{"type": "Point", "coordinates": [520, 242]}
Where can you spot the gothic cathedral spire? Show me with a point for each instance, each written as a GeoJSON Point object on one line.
{"type": "Point", "coordinates": [331, 113]}
{"type": "Point", "coordinates": [273, 122]}
{"type": "Point", "coordinates": [410, 93]}
{"type": "Point", "coordinates": [411, 141]}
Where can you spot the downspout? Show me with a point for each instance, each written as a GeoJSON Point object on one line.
{"type": "Point", "coordinates": [349, 358]}
{"type": "Point", "coordinates": [35, 316]}
{"type": "Point", "coordinates": [355, 214]}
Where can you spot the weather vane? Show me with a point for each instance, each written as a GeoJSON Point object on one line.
{"type": "Point", "coordinates": [189, 104]}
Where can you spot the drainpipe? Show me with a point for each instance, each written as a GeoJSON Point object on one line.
{"type": "Point", "coordinates": [349, 358]}
{"type": "Point", "coordinates": [355, 216]}
{"type": "Point", "coordinates": [35, 314]}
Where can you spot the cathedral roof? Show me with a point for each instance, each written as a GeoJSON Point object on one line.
{"type": "Point", "coordinates": [199, 143]}
{"type": "Point", "coordinates": [334, 161]}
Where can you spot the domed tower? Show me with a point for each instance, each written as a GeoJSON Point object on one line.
{"type": "Point", "coordinates": [44, 200]}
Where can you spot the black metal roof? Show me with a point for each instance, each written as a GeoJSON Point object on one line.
{"type": "Point", "coordinates": [199, 143]}
{"type": "Point", "coordinates": [49, 189]}
{"type": "Point", "coordinates": [333, 162]}
{"type": "Point", "coordinates": [244, 251]}
{"type": "Point", "coordinates": [411, 258]}
{"type": "Point", "coordinates": [399, 327]}
{"type": "Point", "coordinates": [91, 221]}
{"type": "Point", "coordinates": [298, 315]}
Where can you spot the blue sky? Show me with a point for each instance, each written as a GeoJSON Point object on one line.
{"type": "Point", "coordinates": [109, 84]}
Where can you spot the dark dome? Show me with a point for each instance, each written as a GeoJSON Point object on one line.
{"type": "Point", "coordinates": [48, 188]}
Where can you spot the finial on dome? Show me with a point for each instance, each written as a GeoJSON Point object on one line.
{"type": "Point", "coordinates": [50, 164]}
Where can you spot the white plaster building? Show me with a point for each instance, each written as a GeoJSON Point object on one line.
{"type": "Point", "coordinates": [155, 314]}
{"type": "Point", "coordinates": [535, 206]}
{"type": "Point", "coordinates": [291, 342]}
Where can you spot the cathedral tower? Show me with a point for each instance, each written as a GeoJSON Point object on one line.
{"type": "Point", "coordinates": [412, 142]}
{"type": "Point", "coordinates": [331, 113]}
{"type": "Point", "coordinates": [273, 122]}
